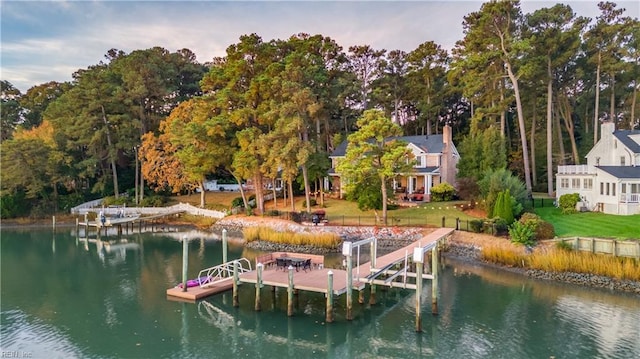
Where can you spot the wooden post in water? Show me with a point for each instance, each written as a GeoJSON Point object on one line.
{"type": "Point", "coordinates": [77, 226]}
{"type": "Point", "coordinates": [434, 281]}
{"type": "Point", "coordinates": [374, 254]}
{"type": "Point", "coordinates": [258, 286]}
{"type": "Point", "coordinates": [185, 262]}
{"type": "Point", "coordinates": [361, 296]}
{"type": "Point", "coordinates": [329, 314]}
{"type": "Point", "coordinates": [290, 293]}
{"type": "Point", "coordinates": [236, 279]}
{"type": "Point", "coordinates": [346, 250]}
{"type": "Point", "coordinates": [54, 223]}
{"type": "Point", "coordinates": [418, 258]}
{"type": "Point", "coordinates": [224, 245]}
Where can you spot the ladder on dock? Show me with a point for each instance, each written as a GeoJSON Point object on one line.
{"type": "Point", "coordinates": [210, 276]}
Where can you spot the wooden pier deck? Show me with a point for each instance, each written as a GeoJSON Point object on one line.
{"type": "Point", "coordinates": [364, 270]}
{"type": "Point", "coordinates": [314, 280]}
{"type": "Point", "coordinates": [195, 293]}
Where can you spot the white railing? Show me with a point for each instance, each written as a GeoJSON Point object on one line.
{"type": "Point", "coordinates": [147, 211]}
{"type": "Point", "coordinates": [630, 197]}
{"type": "Point", "coordinates": [213, 275]}
{"type": "Point", "coordinates": [576, 170]}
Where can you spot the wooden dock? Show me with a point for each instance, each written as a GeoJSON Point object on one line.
{"type": "Point", "coordinates": [406, 263]}
{"type": "Point", "coordinates": [314, 280]}
{"type": "Point", "coordinates": [195, 293]}
{"type": "Point", "coordinates": [364, 270]}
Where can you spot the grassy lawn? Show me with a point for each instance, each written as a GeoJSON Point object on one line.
{"type": "Point", "coordinates": [345, 212]}
{"type": "Point", "coordinates": [591, 224]}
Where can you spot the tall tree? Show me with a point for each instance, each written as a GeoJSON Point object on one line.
{"type": "Point", "coordinates": [365, 63]}
{"type": "Point", "coordinates": [554, 34]}
{"type": "Point", "coordinates": [11, 114]}
{"type": "Point", "coordinates": [374, 150]}
{"type": "Point", "coordinates": [426, 81]}
{"type": "Point", "coordinates": [36, 100]}
{"type": "Point", "coordinates": [603, 43]}
{"type": "Point", "coordinates": [498, 26]}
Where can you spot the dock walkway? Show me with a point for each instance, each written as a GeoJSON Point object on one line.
{"type": "Point", "coordinates": [316, 280]}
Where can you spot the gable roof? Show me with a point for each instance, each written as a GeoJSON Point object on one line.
{"type": "Point", "coordinates": [621, 172]}
{"type": "Point", "coordinates": [429, 144]}
{"type": "Point", "coordinates": [623, 136]}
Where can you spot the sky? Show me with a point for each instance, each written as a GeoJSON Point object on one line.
{"type": "Point", "coordinates": [42, 41]}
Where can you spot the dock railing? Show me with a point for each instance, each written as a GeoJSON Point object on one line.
{"type": "Point", "coordinates": [212, 275]}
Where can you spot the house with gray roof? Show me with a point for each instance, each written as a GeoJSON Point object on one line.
{"type": "Point", "coordinates": [436, 159]}
{"type": "Point", "coordinates": [610, 181]}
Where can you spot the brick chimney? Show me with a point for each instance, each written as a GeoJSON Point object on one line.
{"type": "Point", "coordinates": [447, 167]}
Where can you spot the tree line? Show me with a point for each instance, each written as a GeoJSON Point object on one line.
{"type": "Point", "coordinates": [522, 91]}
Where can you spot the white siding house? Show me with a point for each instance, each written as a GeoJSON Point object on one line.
{"type": "Point", "coordinates": [610, 181]}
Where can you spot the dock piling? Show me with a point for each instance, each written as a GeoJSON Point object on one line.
{"type": "Point", "coordinates": [258, 286]}
{"type": "Point", "coordinates": [185, 262]}
{"type": "Point", "coordinates": [290, 293]}
{"type": "Point", "coordinates": [418, 258]}
{"type": "Point", "coordinates": [236, 279]}
{"type": "Point", "coordinates": [329, 314]}
{"type": "Point", "coordinates": [224, 245]}
{"type": "Point", "coordinates": [434, 281]}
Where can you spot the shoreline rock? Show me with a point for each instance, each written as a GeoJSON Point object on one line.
{"type": "Point", "coordinates": [471, 253]}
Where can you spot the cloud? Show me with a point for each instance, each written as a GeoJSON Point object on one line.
{"type": "Point", "coordinates": [45, 41]}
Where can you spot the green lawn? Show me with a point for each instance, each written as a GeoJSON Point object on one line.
{"type": "Point", "coordinates": [591, 224]}
{"type": "Point", "coordinates": [430, 214]}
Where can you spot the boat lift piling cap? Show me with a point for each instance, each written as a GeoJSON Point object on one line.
{"type": "Point", "coordinates": [418, 255]}
{"type": "Point", "coordinates": [346, 248]}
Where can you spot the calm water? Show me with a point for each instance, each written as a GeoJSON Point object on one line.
{"type": "Point", "coordinates": [61, 297]}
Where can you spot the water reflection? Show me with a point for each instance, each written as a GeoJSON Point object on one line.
{"type": "Point", "coordinates": [88, 300]}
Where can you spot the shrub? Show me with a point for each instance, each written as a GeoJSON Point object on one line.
{"type": "Point", "coordinates": [237, 202]}
{"type": "Point", "coordinates": [272, 213]}
{"type": "Point", "coordinates": [468, 188]}
{"type": "Point", "coordinates": [312, 202]}
{"type": "Point", "coordinates": [476, 225]}
{"type": "Point", "coordinates": [442, 192]}
{"type": "Point", "coordinates": [568, 202]}
{"type": "Point", "coordinates": [501, 226]}
{"type": "Point", "coordinates": [113, 201]}
{"type": "Point", "coordinates": [495, 181]}
{"type": "Point", "coordinates": [503, 207]}
{"type": "Point", "coordinates": [541, 228]}
{"type": "Point", "coordinates": [521, 233]}
{"type": "Point", "coordinates": [153, 201]}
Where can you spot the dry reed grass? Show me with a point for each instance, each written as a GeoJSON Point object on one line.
{"type": "Point", "coordinates": [322, 240]}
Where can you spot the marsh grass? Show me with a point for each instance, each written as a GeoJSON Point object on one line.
{"type": "Point", "coordinates": [562, 260]}
{"type": "Point", "coordinates": [322, 240]}
{"type": "Point", "coordinates": [506, 255]}
{"type": "Point", "coordinates": [559, 260]}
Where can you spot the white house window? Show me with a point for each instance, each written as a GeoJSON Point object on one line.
{"type": "Point", "coordinates": [575, 183]}
{"type": "Point", "coordinates": [587, 183]}
{"type": "Point", "coordinates": [564, 183]}
{"type": "Point", "coordinates": [622, 162]}
{"type": "Point", "coordinates": [601, 188]}
{"type": "Point", "coordinates": [607, 188]}
{"type": "Point", "coordinates": [613, 189]}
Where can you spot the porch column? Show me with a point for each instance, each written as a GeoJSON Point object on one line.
{"type": "Point", "coordinates": [429, 183]}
